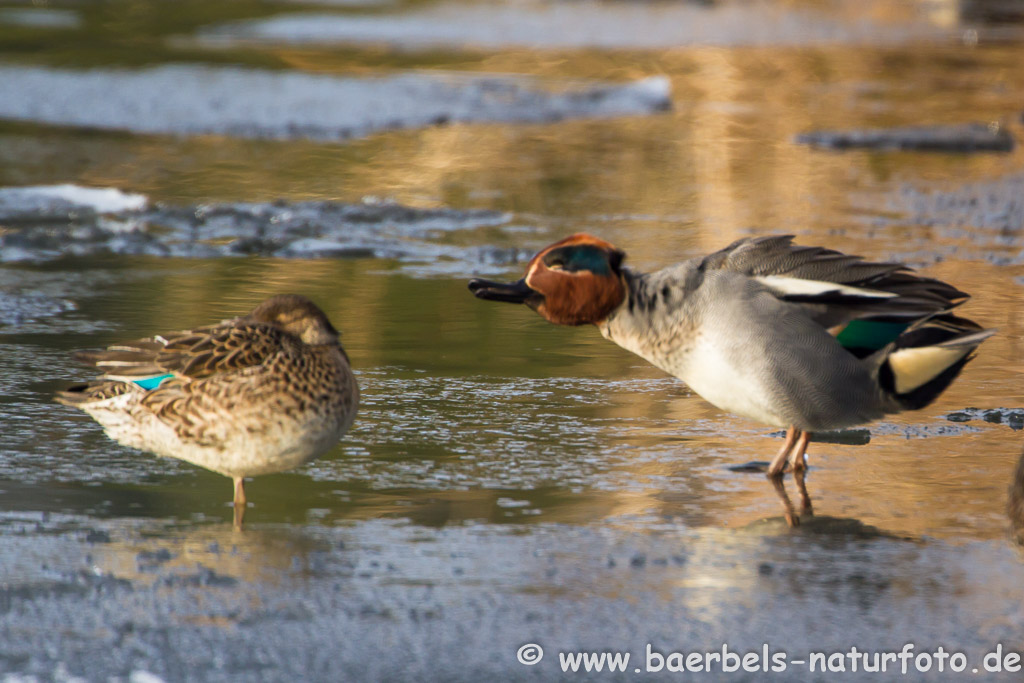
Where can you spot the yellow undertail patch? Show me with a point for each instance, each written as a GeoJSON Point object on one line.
{"type": "Point", "coordinates": [915, 367]}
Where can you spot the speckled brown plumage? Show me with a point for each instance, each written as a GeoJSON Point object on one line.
{"type": "Point", "coordinates": [262, 393]}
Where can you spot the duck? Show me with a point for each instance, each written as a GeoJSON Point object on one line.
{"type": "Point", "coordinates": [802, 338]}
{"type": "Point", "coordinates": [258, 394]}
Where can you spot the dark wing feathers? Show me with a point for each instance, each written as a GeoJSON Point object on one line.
{"type": "Point", "coordinates": [194, 353]}
{"type": "Point", "coordinates": [777, 255]}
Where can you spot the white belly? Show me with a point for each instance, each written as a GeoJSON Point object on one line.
{"type": "Point", "coordinates": [230, 450]}
{"type": "Point", "coordinates": [707, 369]}
{"type": "Point", "coordinates": [727, 385]}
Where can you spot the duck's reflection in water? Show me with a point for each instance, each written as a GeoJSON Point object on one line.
{"type": "Point", "coordinates": [1015, 504]}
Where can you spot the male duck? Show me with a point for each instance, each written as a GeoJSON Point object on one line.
{"type": "Point", "coordinates": [800, 337]}
{"type": "Point", "coordinates": [262, 393]}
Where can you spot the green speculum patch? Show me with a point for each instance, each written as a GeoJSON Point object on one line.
{"type": "Point", "coordinates": [870, 334]}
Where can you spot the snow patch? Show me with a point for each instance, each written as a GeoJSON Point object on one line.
{"type": "Point", "coordinates": [99, 199]}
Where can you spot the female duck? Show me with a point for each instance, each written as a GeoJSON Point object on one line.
{"type": "Point", "coordinates": [799, 337]}
{"type": "Point", "coordinates": [262, 393]}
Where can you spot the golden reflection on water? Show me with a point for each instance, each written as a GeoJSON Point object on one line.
{"type": "Point", "coordinates": [943, 484]}
{"type": "Point", "coordinates": [664, 187]}
{"type": "Point", "coordinates": [667, 451]}
{"type": "Point", "coordinates": [723, 159]}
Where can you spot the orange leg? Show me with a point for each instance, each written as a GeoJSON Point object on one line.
{"type": "Point", "coordinates": [792, 453]}
{"type": "Point", "coordinates": [239, 501]}
{"type": "Point", "coordinates": [778, 464]}
{"type": "Point", "coordinates": [796, 457]}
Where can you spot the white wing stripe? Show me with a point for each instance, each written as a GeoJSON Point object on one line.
{"type": "Point", "coordinates": [795, 286]}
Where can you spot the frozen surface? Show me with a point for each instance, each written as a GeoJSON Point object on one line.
{"type": "Point", "coordinates": [248, 103]}
{"type": "Point", "coordinates": [995, 206]}
{"type": "Point", "coordinates": [37, 17]}
{"type": "Point", "coordinates": [135, 601]}
{"type": "Point", "coordinates": [41, 201]}
{"type": "Point", "coordinates": [50, 227]}
{"type": "Point", "coordinates": [562, 25]}
{"type": "Point", "coordinates": [982, 220]}
{"type": "Point", "coordinates": [507, 481]}
{"type": "Point", "coordinates": [1014, 418]}
{"type": "Point", "coordinates": [18, 309]}
{"type": "Point", "coordinates": [972, 137]}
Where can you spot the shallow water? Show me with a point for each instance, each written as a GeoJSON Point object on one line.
{"type": "Point", "coordinates": [498, 405]}
{"type": "Point", "coordinates": [506, 481]}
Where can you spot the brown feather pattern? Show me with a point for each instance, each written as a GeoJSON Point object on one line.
{"type": "Point", "coordinates": [246, 396]}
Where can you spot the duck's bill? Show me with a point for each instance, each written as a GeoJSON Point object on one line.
{"type": "Point", "coordinates": [513, 292]}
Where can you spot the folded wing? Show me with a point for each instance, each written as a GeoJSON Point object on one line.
{"type": "Point", "coordinates": [865, 304]}
{"type": "Point", "coordinates": [192, 354]}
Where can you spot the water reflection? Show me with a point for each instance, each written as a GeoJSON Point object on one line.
{"type": "Point", "coordinates": [568, 428]}
{"type": "Point", "coordinates": [571, 495]}
{"type": "Point", "coordinates": [1015, 503]}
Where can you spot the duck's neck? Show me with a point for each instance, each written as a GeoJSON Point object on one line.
{"type": "Point", "coordinates": [649, 321]}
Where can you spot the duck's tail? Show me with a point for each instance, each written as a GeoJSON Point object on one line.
{"type": "Point", "coordinates": [925, 358]}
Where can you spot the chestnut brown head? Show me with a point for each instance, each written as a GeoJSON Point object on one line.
{"type": "Point", "coordinates": [575, 281]}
